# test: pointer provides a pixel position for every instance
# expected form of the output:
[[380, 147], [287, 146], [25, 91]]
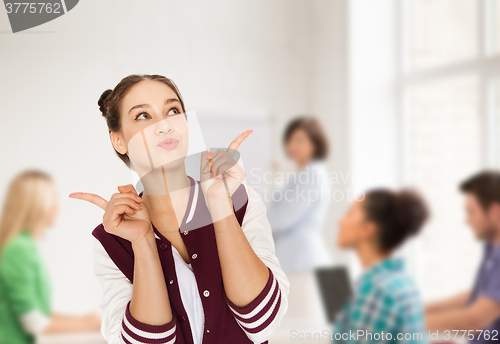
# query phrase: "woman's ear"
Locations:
[[118, 143], [369, 231]]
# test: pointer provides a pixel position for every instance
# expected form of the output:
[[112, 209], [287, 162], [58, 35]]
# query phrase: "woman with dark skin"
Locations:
[[386, 305]]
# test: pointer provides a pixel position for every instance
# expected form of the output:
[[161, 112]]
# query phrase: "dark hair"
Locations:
[[398, 215], [313, 129], [485, 186], [110, 100]]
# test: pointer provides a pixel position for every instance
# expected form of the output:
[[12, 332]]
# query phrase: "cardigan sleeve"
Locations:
[[262, 317], [118, 326]]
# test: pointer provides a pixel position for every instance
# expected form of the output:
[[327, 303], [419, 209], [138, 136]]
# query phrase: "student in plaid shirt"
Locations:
[[385, 306]]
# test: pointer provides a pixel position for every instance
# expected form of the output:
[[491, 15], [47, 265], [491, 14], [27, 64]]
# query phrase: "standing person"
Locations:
[[385, 306], [185, 261], [478, 309], [30, 208], [297, 216]]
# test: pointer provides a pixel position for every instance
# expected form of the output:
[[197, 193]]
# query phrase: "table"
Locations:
[[73, 338]]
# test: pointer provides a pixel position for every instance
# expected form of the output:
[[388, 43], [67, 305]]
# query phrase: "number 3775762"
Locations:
[[488, 335], [39, 7]]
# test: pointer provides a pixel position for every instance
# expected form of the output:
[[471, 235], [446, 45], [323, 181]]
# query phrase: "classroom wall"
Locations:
[[259, 55]]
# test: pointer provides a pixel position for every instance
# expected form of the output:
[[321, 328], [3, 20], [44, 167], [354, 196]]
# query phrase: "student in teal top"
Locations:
[[385, 306], [30, 207]]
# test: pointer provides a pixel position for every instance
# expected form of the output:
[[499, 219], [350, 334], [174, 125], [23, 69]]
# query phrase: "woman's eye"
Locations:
[[174, 111], [141, 114]]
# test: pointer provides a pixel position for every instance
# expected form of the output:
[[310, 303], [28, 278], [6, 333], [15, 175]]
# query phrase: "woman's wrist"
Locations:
[[219, 208], [145, 243]]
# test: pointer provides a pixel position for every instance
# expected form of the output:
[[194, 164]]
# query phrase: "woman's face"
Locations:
[[53, 211], [299, 146], [354, 228], [154, 129]]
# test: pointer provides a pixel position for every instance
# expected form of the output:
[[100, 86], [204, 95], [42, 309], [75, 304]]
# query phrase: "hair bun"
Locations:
[[411, 211], [103, 102]]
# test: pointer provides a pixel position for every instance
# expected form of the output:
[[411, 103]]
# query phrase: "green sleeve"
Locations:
[[17, 274]]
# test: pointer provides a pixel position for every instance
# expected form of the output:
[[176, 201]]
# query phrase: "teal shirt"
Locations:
[[385, 304], [24, 287]]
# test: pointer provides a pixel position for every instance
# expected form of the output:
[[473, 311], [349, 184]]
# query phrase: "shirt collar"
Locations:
[[492, 251], [25, 232], [315, 162], [388, 264]]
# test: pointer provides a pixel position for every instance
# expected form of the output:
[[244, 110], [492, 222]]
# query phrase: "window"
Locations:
[[450, 106]]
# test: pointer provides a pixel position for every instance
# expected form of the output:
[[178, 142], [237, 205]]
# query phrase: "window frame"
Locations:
[[485, 66]]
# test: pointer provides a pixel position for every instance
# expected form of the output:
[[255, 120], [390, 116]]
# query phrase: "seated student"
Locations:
[[478, 309], [30, 209], [385, 304]]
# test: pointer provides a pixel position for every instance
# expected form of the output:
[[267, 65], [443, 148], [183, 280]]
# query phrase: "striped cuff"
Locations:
[[262, 310], [135, 332]]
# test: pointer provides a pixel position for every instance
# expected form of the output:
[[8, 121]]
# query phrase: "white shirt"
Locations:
[[190, 296], [297, 217], [117, 289], [187, 286]]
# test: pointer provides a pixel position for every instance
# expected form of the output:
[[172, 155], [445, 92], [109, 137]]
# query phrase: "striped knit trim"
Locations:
[[264, 322], [131, 340], [266, 304], [257, 303], [261, 312], [135, 332]]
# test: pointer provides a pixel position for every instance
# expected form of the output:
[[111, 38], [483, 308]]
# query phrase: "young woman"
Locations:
[[186, 261], [296, 220], [385, 305], [297, 217], [30, 208]]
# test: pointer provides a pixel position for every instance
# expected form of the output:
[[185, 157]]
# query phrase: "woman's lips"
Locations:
[[168, 143]]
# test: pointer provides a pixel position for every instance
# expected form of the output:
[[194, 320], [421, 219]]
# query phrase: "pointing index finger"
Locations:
[[95, 199], [237, 141]]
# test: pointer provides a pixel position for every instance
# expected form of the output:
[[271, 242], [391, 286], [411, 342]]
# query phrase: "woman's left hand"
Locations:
[[221, 175]]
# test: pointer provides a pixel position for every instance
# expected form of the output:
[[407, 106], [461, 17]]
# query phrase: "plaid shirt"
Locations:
[[385, 304]]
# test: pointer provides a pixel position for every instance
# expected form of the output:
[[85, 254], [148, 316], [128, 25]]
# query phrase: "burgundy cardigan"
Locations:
[[223, 324]]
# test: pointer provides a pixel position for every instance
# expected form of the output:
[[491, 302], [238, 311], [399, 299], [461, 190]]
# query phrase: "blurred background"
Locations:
[[406, 91]]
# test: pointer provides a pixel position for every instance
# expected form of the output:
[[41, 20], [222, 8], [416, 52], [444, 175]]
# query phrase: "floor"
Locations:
[[73, 338], [289, 332], [301, 331]]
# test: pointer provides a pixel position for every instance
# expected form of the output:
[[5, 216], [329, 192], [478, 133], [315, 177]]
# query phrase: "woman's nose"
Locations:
[[163, 127]]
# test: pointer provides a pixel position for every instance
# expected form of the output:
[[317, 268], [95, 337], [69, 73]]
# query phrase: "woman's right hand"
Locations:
[[124, 215]]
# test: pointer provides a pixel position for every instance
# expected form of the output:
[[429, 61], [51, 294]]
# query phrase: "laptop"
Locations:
[[335, 288]]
